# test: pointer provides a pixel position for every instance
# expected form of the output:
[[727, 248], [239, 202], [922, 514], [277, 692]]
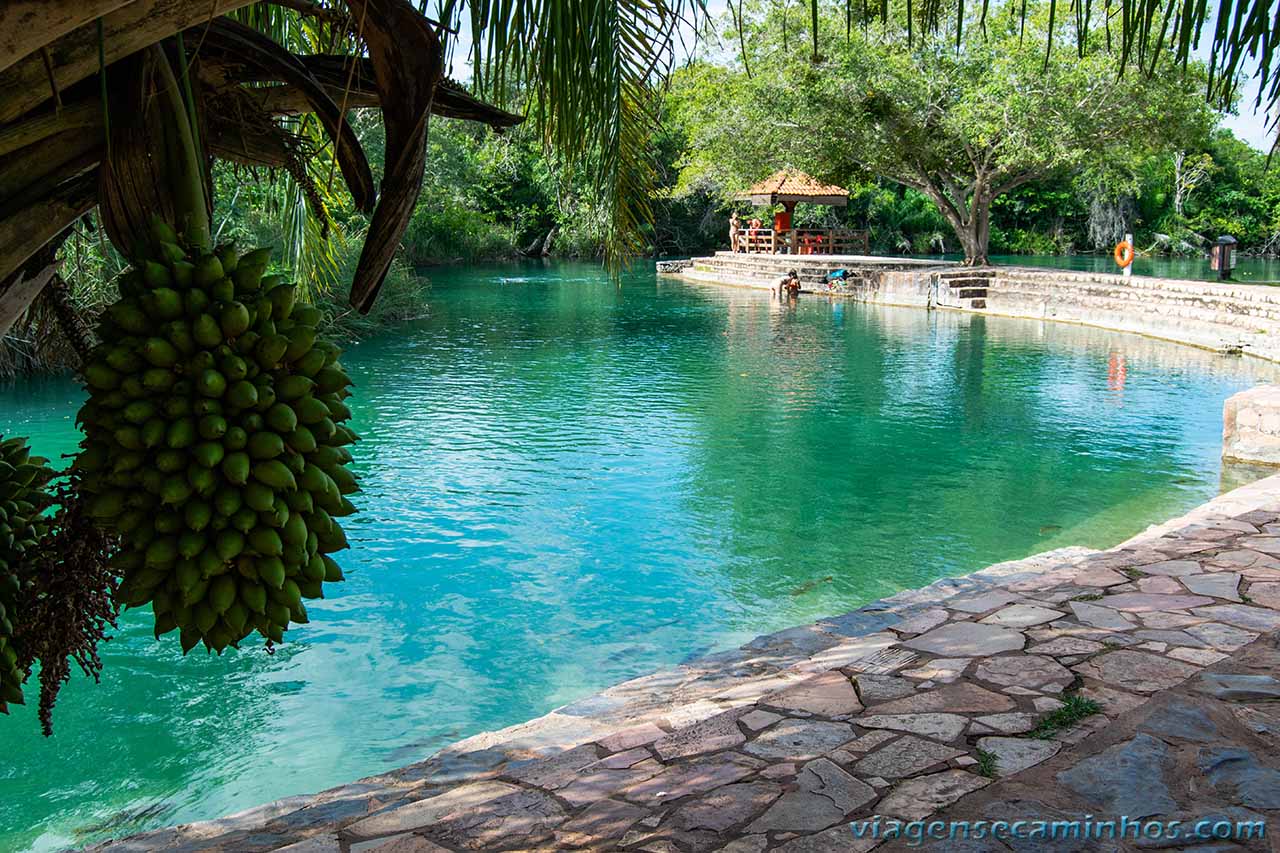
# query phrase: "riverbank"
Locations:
[[1223, 317], [904, 708]]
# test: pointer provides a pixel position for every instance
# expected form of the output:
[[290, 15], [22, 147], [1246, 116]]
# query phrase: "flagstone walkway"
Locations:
[[927, 703], [1207, 750]]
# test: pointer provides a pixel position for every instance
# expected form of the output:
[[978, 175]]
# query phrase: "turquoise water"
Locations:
[[569, 483]]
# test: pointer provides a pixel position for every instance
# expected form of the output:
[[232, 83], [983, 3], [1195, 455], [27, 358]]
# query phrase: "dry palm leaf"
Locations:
[[407, 64], [231, 43]]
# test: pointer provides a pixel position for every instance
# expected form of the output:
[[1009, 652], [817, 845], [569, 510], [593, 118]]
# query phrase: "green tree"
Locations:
[[962, 124]]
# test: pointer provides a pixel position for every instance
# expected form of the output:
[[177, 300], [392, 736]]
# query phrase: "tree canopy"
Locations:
[[963, 124]]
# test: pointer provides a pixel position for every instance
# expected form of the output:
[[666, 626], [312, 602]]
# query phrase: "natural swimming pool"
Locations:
[[569, 483]]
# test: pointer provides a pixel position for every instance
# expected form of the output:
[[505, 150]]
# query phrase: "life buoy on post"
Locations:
[[1123, 253]]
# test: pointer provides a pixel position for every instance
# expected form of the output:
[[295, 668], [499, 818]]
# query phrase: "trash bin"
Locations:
[[1222, 256]]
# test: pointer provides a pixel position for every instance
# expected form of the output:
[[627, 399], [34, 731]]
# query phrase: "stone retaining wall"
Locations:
[[1224, 317], [1235, 318], [1251, 426]]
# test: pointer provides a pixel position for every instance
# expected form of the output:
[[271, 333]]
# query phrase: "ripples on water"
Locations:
[[568, 484]]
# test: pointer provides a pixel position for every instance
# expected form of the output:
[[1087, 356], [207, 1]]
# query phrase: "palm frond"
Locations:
[[310, 250], [592, 71], [1239, 37]]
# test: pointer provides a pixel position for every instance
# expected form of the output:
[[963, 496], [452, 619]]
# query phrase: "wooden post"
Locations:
[[790, 208], [1128, 271]]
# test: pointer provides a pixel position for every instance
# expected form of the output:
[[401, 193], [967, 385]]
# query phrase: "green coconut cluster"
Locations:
[[215, 444], [23, 499]]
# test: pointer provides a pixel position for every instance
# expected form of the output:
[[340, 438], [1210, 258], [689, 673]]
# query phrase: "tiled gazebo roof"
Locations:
[[792, 185]]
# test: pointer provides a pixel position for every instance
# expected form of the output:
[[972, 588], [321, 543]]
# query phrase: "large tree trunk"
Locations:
[[970, 219], [975, 235]]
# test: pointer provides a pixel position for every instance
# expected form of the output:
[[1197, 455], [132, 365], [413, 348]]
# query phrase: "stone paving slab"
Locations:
[[1206, 748], [919, 704]]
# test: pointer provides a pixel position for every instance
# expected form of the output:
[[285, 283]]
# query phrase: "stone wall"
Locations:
[[1251, 426], [674, 266], [1233, 318], [1225, 317]]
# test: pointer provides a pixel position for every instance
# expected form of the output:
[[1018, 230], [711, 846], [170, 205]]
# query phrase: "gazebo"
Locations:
[[787, 187]]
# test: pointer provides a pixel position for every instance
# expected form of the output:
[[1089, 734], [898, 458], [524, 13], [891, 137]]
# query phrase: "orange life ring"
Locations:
[[1123, 253]]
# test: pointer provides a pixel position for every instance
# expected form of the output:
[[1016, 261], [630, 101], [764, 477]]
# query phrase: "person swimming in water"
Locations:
[[789, 285]]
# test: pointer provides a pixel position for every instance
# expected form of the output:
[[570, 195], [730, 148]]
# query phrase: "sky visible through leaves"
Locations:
[[1248, 125]]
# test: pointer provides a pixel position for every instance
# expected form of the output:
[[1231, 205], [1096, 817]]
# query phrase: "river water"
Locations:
[[569, 483]]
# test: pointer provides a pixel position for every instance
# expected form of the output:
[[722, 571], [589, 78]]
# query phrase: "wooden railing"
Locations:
[[761, 241], [804, 241], [832, 241]]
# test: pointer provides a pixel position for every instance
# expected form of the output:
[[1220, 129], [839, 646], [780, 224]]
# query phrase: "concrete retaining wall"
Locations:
[[1243, 318], [1251, 426]]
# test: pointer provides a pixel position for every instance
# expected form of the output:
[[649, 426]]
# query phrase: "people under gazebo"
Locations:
[[788, 187]]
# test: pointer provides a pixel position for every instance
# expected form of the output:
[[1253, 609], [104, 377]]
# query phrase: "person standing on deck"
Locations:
[[734, 224]]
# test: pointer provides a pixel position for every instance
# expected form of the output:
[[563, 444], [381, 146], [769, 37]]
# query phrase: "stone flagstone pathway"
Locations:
[[1207, 749], [905, 709]]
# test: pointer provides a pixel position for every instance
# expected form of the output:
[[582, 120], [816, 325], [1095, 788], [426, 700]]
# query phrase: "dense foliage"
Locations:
[[1071, 154]]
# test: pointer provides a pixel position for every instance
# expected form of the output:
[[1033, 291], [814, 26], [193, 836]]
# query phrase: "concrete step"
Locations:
[[1137, 305], [1138, 298]]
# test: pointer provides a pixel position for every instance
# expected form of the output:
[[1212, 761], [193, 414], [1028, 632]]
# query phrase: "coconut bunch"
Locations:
[[23, 499], [215, 443]]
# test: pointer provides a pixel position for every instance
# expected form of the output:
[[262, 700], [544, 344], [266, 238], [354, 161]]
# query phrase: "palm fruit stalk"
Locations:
[[216, 444], [23, 500], [67, 600], [215, 429]]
